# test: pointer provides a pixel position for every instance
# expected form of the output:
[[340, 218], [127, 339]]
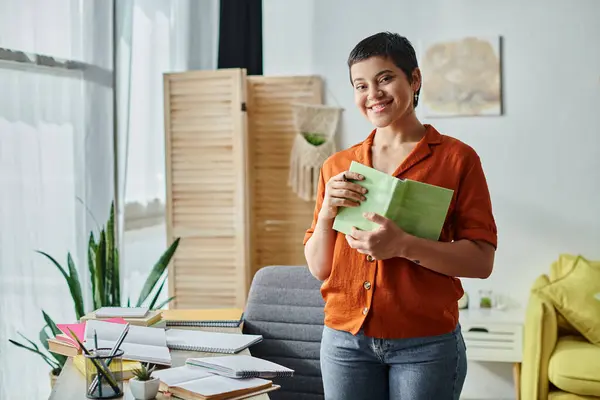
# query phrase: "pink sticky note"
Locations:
[[79, 330]]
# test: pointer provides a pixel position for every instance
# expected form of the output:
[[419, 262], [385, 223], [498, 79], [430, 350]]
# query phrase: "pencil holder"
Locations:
[[104, 374]]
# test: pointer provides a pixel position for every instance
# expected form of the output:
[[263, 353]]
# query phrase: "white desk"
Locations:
[[70, 385], [494, 336]]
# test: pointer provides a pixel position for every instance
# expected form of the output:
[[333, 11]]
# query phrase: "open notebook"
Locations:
[[241, 366], [141, 343], [210, 342], [194, 383]]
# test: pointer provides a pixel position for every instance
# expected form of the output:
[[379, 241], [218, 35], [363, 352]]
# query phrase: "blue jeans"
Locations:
[[360, 367]]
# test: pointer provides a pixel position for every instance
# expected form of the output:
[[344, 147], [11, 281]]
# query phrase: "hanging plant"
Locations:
[[316, 139], [314, 142]]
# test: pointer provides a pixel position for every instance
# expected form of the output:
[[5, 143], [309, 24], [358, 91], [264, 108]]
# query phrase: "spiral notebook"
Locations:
[[241, 366], [210, 342], [224, 318]]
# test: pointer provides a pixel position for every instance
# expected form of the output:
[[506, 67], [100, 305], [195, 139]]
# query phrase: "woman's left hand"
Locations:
[[387, 241]]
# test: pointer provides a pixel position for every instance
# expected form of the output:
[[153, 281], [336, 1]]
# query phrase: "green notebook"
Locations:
[[418, 208]]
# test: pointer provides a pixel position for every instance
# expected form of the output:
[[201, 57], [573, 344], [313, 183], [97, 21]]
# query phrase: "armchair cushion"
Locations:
[[574, 366], [560, 395], [576, 297]]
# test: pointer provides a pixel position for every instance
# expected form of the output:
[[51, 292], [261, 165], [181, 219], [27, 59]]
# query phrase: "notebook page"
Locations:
[[178, 375], [137, 334], [210, 341], [219, 384]]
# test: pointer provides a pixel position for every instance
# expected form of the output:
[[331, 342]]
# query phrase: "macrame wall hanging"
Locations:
[[314, 142]]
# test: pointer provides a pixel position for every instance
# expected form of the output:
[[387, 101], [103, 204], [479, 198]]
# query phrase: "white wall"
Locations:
[[542, 157], [288, 28]]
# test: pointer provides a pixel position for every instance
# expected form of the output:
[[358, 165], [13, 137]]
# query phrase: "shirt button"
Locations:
[[367, 285], [365, 311], [370, 258]]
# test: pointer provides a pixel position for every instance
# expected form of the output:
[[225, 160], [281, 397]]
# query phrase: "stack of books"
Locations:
[[138, 316], [142, 344], [218, 377]]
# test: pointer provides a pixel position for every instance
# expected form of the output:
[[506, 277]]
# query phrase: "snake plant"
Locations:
[[104, 269]]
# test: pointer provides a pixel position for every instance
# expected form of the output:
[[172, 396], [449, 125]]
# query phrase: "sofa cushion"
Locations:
[[576, 296], [574, 366]]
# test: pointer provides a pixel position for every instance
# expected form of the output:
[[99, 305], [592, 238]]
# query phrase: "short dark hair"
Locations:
[[389, 45]]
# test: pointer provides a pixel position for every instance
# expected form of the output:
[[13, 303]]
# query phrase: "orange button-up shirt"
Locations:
[[396, 298]]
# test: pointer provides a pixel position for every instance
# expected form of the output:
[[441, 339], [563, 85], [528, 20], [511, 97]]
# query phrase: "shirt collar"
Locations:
[[431, 137]]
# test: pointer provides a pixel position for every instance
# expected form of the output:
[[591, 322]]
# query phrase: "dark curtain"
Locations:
[[240, 35]]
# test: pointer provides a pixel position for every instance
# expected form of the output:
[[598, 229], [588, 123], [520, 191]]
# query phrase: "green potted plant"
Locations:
[[143, 385], [104, 268]]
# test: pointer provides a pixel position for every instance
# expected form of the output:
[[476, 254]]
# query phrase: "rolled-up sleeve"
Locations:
[[474, 219], [318, 204]]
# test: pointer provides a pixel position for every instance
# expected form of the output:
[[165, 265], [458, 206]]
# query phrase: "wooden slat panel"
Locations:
[[205, 141], [278, 217]]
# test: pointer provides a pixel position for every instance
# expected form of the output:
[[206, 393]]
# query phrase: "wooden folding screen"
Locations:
[[206, 198], [279, 218], [227, 171]]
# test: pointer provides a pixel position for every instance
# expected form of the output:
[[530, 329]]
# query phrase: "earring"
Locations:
[[416, 97]]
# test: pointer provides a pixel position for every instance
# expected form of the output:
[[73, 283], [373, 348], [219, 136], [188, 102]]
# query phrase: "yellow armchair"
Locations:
[[561, 337]]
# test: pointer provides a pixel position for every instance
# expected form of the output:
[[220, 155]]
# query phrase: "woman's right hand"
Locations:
[[341, 192]]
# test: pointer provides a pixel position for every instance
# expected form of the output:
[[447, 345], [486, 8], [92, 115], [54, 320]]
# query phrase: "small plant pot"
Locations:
[[144, 390], [53, 379]]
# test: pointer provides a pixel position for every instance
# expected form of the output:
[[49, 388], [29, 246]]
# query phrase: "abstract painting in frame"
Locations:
[[461, 77]]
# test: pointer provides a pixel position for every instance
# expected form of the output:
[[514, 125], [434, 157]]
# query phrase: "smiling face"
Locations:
[[382, 92]]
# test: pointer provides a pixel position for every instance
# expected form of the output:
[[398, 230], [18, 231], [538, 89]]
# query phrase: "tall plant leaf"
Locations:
[[51, 324], [100, 270], [53, 364], [155, 298], [116, 277], [72, 283], [92, 248], [92, 243], [161, 305], [111, 268], [108, 279], [76, 287], [157, 271]]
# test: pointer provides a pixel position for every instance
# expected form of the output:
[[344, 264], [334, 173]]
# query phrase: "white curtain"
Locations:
[[53, 161], [155, 37]]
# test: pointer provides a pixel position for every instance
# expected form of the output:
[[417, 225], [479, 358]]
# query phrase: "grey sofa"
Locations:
[[285, 307]]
